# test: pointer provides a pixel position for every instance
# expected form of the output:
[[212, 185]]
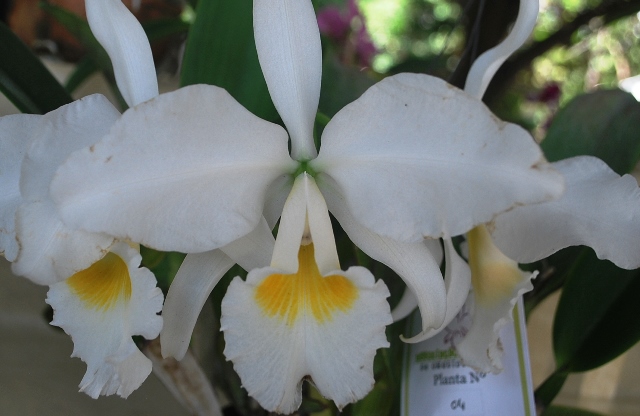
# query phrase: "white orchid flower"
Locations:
[[412, 160], [599, 209], [99, 294]]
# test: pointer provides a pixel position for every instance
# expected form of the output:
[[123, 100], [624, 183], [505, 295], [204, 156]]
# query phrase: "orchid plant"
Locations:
[[407, 170]]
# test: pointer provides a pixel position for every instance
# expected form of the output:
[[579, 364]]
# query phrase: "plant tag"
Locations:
[[435, 383]]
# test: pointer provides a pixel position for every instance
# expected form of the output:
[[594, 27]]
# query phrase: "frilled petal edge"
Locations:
[[275, 339], [600, 209], [432, 160], [101, 308]]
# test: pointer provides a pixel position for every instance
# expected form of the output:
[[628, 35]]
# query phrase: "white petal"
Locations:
[[497, 283], [487, 64], [254, 250], [457, 280], [273, 350], [16, 133], [415, 157], [61, 132], [49, 250], [186, 171], [120, 33], [413, 262], [288, 43], [600, 209], [196, 278], [101, 312]]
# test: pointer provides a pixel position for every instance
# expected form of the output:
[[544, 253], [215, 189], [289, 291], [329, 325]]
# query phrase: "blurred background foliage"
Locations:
[[562, 86]]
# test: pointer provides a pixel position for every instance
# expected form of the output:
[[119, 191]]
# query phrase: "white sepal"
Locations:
[[190, 289], [194, 161], [600, 209], [457, 280], [487, 64], [413, 262], [102, 333], [122, 36], [413, 157], [288, 44], [408, 301], [253, 250], [272, 356], [16, 134]]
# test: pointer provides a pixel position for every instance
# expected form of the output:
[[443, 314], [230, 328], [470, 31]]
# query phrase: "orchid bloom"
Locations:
[[410, 161], [99, 294], [599, 209], [337, 25]]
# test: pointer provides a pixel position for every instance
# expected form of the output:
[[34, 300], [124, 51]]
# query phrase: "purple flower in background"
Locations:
[[349, 31]]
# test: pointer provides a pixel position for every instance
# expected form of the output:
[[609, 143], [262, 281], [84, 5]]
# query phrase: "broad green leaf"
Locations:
[[24, 80], [221, 51], [341, 85], [605, 124], [84, 69], [595, 320], [567, 411], [162, 28]]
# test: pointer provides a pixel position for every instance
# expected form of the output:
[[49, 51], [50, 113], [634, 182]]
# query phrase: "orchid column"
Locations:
[[410, 161]]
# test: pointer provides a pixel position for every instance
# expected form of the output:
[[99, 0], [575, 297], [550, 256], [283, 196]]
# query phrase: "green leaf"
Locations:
[[605, 124], [567, 411], [24, 80], [84, 69], [162, 28], [221, 51], [341, 85], [595, 320]]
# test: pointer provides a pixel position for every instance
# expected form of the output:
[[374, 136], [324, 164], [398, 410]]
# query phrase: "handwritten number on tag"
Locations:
[[458, 404]]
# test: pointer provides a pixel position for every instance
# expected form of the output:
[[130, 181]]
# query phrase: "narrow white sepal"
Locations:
[[408, 301], [190, 289], [413, 157], [487, 64], [288, 44], [457, 280], [102, 336], [413, 262], [253, 250], [122, 36], [600, 209], [16, 134]]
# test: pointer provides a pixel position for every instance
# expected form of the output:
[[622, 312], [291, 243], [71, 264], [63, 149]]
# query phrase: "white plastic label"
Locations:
[[435, 383]]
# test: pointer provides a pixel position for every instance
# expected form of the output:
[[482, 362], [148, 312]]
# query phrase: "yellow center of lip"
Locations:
[[103, 284], [494, 276], [307, 292]]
